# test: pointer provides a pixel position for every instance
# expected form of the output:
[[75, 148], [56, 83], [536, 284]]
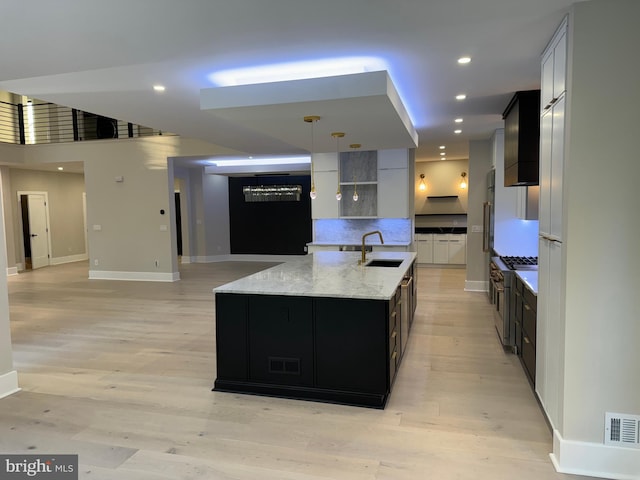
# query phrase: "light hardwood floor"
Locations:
[[121, 374]]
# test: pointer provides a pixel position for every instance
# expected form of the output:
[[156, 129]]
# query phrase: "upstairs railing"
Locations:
[[40, 122]]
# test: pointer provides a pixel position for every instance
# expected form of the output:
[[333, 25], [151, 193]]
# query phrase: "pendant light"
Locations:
[[463, 181], [312, 119], [338, 136], [355, 185]]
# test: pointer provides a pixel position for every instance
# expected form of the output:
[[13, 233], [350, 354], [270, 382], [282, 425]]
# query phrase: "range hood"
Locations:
[[522, 139]]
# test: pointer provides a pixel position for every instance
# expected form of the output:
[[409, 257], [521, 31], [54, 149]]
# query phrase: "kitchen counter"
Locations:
[[530, 279], [327, 274], [320, 327]]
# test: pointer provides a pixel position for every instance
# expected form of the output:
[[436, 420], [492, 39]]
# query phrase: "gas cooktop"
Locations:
[[520, 263]]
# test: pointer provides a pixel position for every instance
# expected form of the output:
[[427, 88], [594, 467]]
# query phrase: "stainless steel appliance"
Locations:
[[501, 272], [488, 215]]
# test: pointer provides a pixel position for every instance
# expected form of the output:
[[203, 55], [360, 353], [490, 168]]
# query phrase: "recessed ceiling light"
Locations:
[[159, 88], [462, 96], [442, 153], [464, 60], [441, 147], [457, 132], [443, 158], [458, 120], [60, 168]]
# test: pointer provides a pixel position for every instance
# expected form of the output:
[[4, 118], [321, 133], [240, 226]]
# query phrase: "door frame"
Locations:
[[20, 225]]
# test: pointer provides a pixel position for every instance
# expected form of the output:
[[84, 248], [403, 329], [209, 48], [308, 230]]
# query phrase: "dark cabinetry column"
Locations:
[[281, 340], [351, 345]]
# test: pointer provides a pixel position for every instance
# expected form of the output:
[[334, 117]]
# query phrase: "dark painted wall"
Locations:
[[276, 228]]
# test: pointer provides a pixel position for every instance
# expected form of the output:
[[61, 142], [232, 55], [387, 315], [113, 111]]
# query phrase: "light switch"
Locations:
[[97, 228], [476, 228], [163, 228]]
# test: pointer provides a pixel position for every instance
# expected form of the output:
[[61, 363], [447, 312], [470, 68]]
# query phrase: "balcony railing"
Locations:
[[41, 122]]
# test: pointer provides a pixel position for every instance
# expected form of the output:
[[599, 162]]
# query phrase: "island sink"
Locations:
[[386, 262]]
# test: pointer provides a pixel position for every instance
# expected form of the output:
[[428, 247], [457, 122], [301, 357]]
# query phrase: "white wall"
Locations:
[[602, 355], [216, 214], [512, 236], [480, 158], [441, 178], [65, 211], [8, 376]]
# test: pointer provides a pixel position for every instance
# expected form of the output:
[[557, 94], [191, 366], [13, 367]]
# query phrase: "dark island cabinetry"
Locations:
[[329, 349]]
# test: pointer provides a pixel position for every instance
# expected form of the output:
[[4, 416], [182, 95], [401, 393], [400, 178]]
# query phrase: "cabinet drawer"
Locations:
[[529, 322], [530, 298], [393, 340], [393, 359], [529, 357], [393, 320]]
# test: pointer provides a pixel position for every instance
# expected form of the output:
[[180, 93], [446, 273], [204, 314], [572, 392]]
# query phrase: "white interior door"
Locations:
[[38, 230]]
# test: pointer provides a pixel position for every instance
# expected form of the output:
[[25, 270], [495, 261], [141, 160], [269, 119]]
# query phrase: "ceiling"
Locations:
[[105, 57]]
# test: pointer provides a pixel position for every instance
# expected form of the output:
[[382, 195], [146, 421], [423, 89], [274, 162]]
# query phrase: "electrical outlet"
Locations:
[[157, 263], [95, 262]]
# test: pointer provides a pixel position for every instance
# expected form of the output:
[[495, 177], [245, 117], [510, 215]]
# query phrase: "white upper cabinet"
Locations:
[[552, 133], [554, 69], [381, 179], [393, 183]]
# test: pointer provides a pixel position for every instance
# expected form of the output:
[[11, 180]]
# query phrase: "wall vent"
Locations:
[[622, 430], [289, 366]]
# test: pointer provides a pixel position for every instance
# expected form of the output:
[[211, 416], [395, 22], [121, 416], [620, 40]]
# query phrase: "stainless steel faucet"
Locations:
[[364, 253]]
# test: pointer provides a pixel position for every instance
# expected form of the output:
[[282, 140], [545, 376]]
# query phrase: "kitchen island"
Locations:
[[322, 327]]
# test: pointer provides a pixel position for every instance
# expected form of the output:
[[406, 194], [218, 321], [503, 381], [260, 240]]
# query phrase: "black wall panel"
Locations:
[[275, 228]]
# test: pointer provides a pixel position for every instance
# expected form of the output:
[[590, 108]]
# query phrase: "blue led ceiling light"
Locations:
[[258, 161], [280, 72]]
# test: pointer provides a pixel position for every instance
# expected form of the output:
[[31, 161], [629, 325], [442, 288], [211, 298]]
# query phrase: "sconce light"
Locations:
[[463, 181], [312, 119], [423, 186]]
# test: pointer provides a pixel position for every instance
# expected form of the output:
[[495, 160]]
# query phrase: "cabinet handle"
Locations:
[[526, 340], [553, 100], [518, 294], [394, 334], [394, 355], [527, 307]]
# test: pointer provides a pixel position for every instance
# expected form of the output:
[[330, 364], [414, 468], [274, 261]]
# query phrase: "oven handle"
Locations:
[[486, 219]]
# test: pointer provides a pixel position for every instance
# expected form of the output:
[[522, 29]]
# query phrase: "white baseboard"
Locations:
[[68, 259], [476, 286], [245, 258], [134, 276], [594, 459], [9, 384], [12, 271]]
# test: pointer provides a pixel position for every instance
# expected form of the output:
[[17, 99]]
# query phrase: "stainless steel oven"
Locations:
[[501, 274], [500, 287]]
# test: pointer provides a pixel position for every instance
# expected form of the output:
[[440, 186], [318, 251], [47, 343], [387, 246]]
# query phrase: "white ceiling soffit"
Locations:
[[365, 106]]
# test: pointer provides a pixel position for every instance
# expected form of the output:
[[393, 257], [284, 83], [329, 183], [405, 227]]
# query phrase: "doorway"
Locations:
[[35, 229]]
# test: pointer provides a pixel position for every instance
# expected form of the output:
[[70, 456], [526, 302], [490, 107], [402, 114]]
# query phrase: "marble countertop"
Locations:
[[385, 244], [530, 279], [327, 274]]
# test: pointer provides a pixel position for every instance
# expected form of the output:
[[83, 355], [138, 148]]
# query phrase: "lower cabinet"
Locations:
[[340, 350], [525, 321], [424, 243], [442, 248]]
